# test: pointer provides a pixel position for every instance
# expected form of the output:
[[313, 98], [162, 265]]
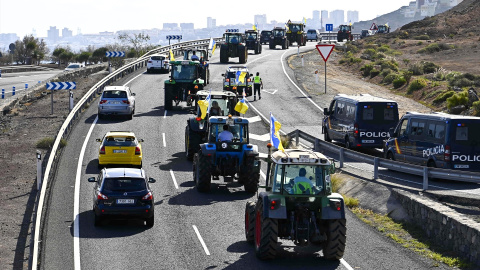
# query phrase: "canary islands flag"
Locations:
[[205, 105], [254, 27], [240, 76], [242, 106], [212, 45], [275, 134], [171, 56]]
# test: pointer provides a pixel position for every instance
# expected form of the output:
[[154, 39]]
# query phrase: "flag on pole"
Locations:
[[305, 20], [254, 27], [240, 76], [205, 105], [171, 56], [212, 45], [242, 106], [274, 133]]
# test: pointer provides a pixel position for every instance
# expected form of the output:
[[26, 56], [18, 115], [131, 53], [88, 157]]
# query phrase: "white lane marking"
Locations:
[[259, 113], [249, 62], [263, 175], [270, 91], [201, 240], [76, 200], [298, 88], [165, 114], [342, 261], [133, 79], [254, 119], [76, 204], [174, 179], [164, 142], [262, 138]]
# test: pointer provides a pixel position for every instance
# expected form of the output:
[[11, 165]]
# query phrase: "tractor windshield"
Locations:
[[188, 54], [184, 72], [238, 131], [294, 27], [233, 38], [345, 28], [218, 107], [251, 36], [299, 179], [278, 33]]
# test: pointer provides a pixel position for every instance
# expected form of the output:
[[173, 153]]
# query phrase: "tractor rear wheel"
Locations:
[[223, 55], [265, 234], [248, 176], [249, 221], [202, 172], [168, 99], [192, 140], [271, 45], [242, 54], [336, 239], [284, 44]]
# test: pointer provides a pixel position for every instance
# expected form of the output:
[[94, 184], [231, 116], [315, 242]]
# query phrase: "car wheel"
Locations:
[[150, 221], [348, 144]]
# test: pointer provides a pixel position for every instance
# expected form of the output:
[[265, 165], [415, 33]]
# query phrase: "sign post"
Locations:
[[60, 86], [113, 54], [329, 28], [325, 50]]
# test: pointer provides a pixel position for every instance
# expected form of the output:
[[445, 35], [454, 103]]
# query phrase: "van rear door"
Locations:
[[374, 119], [464, 144]]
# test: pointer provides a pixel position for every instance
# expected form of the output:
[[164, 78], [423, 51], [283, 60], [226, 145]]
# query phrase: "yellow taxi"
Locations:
[[120, 148]]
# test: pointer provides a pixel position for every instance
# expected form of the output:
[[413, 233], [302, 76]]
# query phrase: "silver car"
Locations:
[[116, 100]]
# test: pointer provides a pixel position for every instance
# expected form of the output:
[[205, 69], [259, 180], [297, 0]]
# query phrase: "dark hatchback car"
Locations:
[[123, 193]]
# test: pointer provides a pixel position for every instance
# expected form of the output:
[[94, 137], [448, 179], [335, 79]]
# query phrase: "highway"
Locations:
[[192, 230]]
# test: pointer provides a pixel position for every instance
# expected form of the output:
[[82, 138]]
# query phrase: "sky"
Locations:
[[94, 16]]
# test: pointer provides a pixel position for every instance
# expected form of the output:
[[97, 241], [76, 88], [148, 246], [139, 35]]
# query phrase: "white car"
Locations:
[[116, 100], [73, 66], [158, 63]]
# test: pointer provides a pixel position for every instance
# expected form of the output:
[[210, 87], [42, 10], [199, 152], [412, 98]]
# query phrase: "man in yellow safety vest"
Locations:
[[257, 82]]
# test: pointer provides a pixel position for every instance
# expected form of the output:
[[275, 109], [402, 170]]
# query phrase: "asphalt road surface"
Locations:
[[192, 230]]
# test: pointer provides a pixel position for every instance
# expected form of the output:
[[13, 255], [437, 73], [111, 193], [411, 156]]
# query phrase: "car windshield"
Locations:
[[73, 66], [124, 184], [238, 131], [299, 179], [114, 94], [184, 72], [278, 33], [158, 58], [120, 141]]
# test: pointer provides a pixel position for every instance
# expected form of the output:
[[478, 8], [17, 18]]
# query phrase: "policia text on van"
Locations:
[[436, 140], [359, 121]]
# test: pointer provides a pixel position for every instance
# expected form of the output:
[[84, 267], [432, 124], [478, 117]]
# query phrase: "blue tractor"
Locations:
[[233, 159]]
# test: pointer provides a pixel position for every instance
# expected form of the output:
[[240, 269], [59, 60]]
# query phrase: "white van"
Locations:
[[313, 35]]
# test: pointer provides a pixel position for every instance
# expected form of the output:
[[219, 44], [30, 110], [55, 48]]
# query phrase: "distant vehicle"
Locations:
[[383, 29], [158, 63], [344, 32], [233, 47], [73, 66], [252, 41], [232, 81], [437, 140], [278, 37], [123, 193], [313, 35], [120, 148], [296, 33], [359, 120], [265, 36], [116, 100], [366, 33]]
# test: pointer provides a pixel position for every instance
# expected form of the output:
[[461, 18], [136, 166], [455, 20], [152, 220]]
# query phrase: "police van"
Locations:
[[359, 120], [436, 140]]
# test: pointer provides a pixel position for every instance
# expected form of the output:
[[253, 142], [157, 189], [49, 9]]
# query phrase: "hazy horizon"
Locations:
[[117, 15]]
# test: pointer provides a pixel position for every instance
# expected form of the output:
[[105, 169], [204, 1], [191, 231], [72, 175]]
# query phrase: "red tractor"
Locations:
[[345, 32]]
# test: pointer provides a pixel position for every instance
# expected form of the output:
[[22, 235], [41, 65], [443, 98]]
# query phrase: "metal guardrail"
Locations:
[[333, 36], [74, 115], [425, 172]]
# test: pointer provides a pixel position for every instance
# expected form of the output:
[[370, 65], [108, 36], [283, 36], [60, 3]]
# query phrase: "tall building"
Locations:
[[324, 17], [187, 26], [352, 16], [53, 33], [170, 26], [260, 20], [316, 22], [67, 33], [7, 38], [211, 23], [337, 17]]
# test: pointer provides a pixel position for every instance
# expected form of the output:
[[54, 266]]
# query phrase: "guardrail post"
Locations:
[[39, 169], [297, 137], [375, 168], [316, 146], [341, 157], [425, 178]]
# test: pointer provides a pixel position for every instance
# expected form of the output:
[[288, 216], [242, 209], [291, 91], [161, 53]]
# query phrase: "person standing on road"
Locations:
[[257, 82]]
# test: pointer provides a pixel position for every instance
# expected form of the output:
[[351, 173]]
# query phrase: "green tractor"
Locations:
[[184, 82], [296, 33], [203, 56], [230, 159], [222, 104], [253, 41], [234, 46], [298, 205], [278, 37]]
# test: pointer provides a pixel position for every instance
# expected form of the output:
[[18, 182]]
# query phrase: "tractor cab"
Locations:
[[237, 126]]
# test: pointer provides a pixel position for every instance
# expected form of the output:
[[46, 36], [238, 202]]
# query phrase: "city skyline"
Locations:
[[111, 16]]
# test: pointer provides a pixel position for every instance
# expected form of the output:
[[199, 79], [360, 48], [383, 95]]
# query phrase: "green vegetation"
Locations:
[[399, 82], [409, 236], [457, 99], [388, 64], [366, 70], [443, 97], [374, 72], [417, 84], [435, 47], [422, 37], [476, 108], [390, 78], [47, 143]]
